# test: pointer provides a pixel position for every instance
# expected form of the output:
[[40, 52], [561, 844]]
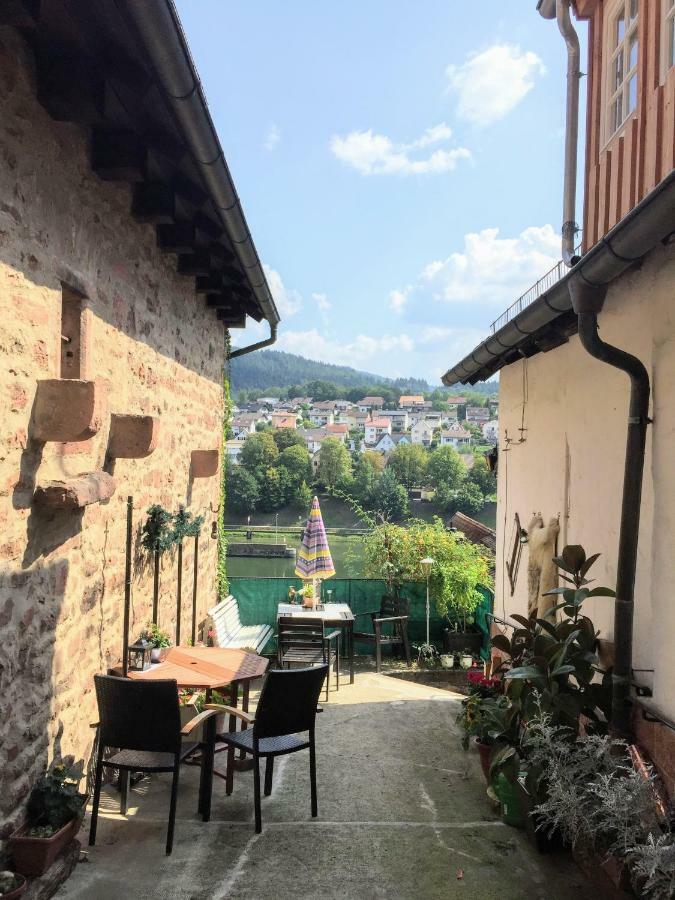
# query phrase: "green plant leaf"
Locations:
[[602, 592], [522, 672], [501, 642], [567, 669], [574, 556], [589, 562], [526, 623]]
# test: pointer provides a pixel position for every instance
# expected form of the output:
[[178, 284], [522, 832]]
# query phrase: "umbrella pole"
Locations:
[[127, 588]]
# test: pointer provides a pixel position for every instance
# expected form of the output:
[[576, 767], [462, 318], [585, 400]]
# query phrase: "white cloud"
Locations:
[[362, 351], [432, 334], [492, 269], [272, 138], [490, 84], [398, 298], [288, 300], [376, 154], [322, 302]]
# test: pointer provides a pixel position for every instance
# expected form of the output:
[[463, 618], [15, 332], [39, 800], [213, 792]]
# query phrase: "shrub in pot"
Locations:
[[53, 816], [12, 885]]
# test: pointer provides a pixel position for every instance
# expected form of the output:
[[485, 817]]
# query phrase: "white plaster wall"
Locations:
[[575, 408]]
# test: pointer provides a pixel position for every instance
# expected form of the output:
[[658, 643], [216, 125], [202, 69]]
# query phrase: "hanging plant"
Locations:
[[155, 535]]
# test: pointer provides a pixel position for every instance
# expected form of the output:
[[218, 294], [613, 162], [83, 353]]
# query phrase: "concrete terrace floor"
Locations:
[[402, 814]]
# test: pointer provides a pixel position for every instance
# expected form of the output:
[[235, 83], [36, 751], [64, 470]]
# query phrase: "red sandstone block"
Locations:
[[68, 409], [76, 492]]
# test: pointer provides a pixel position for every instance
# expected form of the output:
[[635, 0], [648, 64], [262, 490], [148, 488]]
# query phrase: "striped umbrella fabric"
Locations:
[[314, 559]]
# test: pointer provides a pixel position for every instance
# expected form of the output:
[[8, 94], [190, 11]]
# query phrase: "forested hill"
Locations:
[[265, 369]]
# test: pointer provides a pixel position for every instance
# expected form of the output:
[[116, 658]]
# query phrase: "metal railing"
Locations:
[[540, 287]]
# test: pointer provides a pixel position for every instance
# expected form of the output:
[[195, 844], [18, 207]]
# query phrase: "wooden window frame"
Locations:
[[513, 563], [614, 49]]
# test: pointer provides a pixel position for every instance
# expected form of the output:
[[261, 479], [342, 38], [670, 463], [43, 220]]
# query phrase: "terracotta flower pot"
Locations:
[[484, 751], [18, 891], [34, 855]]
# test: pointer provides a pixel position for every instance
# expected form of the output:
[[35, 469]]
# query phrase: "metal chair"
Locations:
[[140, 720], [393, 612], [306, 641], [287, 707]]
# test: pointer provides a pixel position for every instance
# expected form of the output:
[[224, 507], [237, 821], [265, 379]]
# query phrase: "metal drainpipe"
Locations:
[[242, 351], [569, 226], [587, 301]]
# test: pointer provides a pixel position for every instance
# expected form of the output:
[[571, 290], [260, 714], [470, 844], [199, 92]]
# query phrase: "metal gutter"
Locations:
[[242, 351], [569, 225], [161, 33], [648, 223]]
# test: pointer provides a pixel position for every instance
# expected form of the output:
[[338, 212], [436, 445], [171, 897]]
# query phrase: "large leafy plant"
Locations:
[[54, 801]]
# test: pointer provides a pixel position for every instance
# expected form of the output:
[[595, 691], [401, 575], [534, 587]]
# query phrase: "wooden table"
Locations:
[[335, 615], [209, 669]]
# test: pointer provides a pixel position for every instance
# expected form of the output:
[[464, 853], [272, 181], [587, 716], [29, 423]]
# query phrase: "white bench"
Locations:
[[229, 632]]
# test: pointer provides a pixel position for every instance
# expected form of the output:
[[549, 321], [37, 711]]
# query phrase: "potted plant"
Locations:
[[159, 639], [12, 885], [307, 594], [485, 717], [426, 655], [466, 659], [448, 660], [53, 816]]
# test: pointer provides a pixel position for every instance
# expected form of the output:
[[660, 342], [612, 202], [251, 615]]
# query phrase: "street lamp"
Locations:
[[426, 564]]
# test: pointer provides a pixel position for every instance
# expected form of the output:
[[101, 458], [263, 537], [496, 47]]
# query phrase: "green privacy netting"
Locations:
[[259, 597]]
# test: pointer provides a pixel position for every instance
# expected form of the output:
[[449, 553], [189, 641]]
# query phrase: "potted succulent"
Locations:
[[12, 885], [307, 594], [53, 816], [159, 639], [426, 654], [447, 660]]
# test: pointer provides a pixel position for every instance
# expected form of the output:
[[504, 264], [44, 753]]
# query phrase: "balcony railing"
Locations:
[[540, 287]]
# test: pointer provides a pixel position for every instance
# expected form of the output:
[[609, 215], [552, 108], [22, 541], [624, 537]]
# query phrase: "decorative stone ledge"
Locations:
[[68, 409], [76, 493], [132, 437], [204, 463]]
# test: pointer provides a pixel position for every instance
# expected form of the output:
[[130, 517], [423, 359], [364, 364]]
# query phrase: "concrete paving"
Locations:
[[402, 814]]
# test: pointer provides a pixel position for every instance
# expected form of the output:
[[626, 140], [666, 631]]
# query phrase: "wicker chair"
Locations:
[[140, 720], [306, 641], [392, 614], [287, 707]]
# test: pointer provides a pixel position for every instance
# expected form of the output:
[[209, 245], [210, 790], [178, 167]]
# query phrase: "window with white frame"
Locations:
[[622, 73], [668, 45]]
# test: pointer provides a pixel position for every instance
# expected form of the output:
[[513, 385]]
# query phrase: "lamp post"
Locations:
[[426, 564]]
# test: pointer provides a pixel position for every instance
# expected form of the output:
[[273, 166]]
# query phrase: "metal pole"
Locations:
[[427, 609], [127, 588], [194, 590], [179, 591], [155, 591]]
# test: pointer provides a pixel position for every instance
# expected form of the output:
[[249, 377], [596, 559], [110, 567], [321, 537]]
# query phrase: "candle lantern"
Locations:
[[139, 655]]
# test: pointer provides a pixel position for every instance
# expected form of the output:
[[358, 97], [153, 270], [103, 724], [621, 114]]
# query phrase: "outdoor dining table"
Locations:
[[335, 615], [209, 669]]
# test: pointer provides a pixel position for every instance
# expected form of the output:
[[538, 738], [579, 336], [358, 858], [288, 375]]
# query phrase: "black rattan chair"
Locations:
[[393, 615], [306, 641], [140, 721], [287, 708]]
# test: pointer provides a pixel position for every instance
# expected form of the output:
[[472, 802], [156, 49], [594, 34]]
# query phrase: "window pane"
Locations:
[[618, 71], [633, 9], [632, 94], [619, 29], [632, 51], [617, 113]]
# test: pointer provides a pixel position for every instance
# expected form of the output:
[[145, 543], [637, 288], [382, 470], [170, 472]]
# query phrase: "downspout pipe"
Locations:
[[569, 225], [587, 301], [242, 351]]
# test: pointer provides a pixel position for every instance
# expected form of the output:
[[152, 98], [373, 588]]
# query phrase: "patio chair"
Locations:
[[306, 641], [393, 614], [140, 720], [287, 707]]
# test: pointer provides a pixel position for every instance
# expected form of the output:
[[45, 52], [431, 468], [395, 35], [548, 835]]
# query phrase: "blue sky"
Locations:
[[400, 165]]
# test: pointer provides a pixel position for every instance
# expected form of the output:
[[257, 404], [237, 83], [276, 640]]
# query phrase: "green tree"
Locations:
[[301, 497], [259, 453], [287, 437], [481, 475], [367, 471], [274, 488], [389, 498], [468, 499], [334, 463], [408, 463], [445, 467], [243, 492], [296, 461]]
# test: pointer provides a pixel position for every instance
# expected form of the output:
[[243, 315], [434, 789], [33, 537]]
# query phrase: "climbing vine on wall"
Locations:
[[223, 584]]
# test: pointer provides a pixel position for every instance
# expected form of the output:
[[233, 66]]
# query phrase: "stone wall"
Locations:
[[156, 350]]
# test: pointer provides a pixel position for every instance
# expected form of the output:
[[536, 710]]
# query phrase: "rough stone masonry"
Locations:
[[152, 349]]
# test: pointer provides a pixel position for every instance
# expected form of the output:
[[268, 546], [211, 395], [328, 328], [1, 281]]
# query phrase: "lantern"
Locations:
[[139, 655]]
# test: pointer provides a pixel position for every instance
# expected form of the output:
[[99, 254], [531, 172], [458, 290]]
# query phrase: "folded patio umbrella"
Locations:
[[314, 559]]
